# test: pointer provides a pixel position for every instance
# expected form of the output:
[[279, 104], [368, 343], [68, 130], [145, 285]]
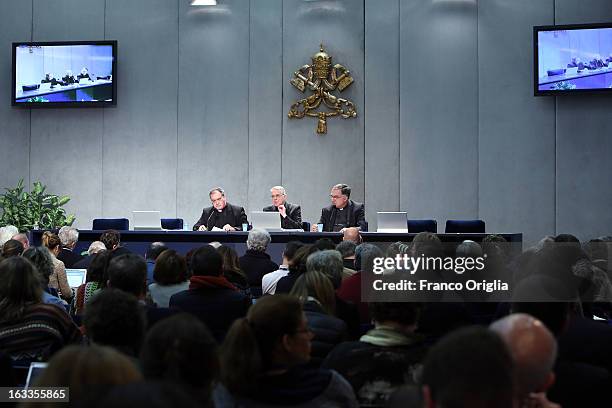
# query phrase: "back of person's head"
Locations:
[[468, 249], [364, 256], [298, 262], [170, 268], [258, 240], [86, 370], [97, 271], [290, 250], [397, 248], [181, 350], [128, 272], [346, 248], [533, 349], [402, 313], [316, 284], [50, 240], [470, 367], [427, 244], [352, 234], [114, 318], [68, 236], [253, 343], [19, 287], [41, 258], [329, 262], [23, 238], [231, 262], [96, 247], [323, 244], [12, 247], [155, 249], [110, 239], [206, 261]]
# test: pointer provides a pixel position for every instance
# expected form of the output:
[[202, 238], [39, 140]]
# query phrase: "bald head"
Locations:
[[533, 349], [352, 234]]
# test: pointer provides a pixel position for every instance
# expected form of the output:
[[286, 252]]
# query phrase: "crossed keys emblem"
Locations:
[[322, 78]]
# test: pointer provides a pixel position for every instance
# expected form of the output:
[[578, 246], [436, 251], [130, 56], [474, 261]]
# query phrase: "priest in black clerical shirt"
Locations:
[[291, 214], [221, 215], [343, 213]]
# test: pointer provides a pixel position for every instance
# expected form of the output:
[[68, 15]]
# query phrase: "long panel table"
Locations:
[[183, 241]]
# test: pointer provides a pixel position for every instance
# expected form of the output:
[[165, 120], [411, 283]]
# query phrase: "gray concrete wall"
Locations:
[[447, 127]]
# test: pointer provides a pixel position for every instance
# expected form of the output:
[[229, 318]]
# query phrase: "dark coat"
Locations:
[[293, 220], [255, 265], [328, 332], [216, 307], [237, 213], [68, 257], [356, 216]]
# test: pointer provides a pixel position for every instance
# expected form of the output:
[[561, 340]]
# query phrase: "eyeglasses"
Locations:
[[217, 200], [276, 195], [335, 197]]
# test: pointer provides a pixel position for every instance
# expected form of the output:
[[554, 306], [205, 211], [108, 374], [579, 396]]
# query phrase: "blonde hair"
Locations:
[[50, 240], [316, 284]]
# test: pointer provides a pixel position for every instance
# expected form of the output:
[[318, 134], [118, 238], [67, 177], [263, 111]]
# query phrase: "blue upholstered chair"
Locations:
[[120, 224], [465, 226], [416, 226], [172, 223]]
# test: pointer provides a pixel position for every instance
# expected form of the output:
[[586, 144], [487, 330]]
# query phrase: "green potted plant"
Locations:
[[29, 210]]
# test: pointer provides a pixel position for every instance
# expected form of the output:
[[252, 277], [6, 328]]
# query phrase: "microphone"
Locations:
[[209, 217]]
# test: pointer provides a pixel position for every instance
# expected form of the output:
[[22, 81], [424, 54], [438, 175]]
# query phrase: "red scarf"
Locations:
[[210, 282]]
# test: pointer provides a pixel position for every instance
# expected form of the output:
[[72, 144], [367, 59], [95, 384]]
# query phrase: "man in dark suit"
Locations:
[[221, 214], [291, 214], [343, 213]]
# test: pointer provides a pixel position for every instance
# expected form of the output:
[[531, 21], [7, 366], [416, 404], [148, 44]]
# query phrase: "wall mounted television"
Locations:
[[572, 59], [64, 74]]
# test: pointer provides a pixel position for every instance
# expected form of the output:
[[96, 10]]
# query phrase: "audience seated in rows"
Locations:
[[68, 237], [95, 280], [262, 361], [269, 280], [58, 279], [233, 272], [29, 329], [155, 249], [385, 358], [255, 263], [170, 276], [211, 297], [41, 259]]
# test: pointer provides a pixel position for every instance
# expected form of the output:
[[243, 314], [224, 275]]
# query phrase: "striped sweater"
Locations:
[[42, 330]]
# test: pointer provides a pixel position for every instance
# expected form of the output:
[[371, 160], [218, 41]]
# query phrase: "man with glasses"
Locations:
[[291, 214], [343, 213], [221, 214]]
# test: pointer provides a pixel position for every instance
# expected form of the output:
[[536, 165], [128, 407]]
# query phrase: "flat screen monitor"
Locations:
[[570, 59], [65, 74]]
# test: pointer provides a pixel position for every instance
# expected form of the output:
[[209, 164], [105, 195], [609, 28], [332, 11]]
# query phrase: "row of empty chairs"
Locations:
[[414, 226]]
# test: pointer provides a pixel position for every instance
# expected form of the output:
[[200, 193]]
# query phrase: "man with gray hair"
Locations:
[[69, 237], [255, 263], [534, 351], [291, 214], [329, 262], [93, 249]]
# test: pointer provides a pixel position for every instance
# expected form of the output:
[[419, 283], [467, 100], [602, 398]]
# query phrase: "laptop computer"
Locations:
[[76, 277], [146, 220], [267, 220], [392, 221]]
